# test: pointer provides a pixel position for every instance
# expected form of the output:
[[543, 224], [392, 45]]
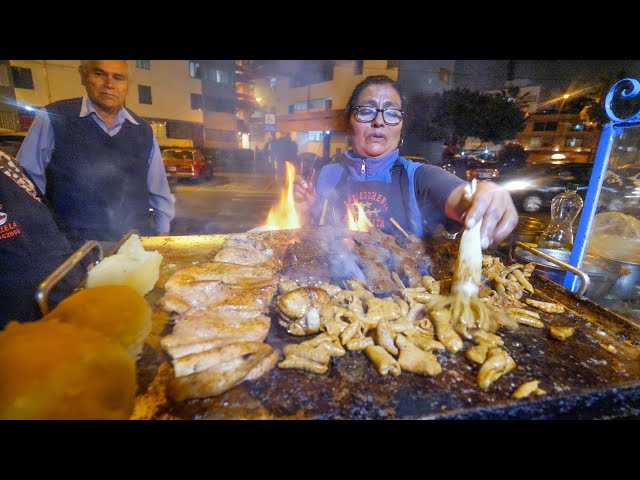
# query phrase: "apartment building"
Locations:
[[563, 134], [8, 110], [230, 104], [187, 102]]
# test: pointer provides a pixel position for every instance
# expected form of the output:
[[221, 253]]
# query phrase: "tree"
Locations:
[[511, 155], [455, 115], [593, 111]]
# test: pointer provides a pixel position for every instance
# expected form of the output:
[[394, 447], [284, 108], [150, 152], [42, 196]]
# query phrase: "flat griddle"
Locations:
[[582, 380]]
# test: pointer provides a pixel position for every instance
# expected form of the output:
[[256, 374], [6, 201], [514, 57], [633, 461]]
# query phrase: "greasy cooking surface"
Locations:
[[581, 378]]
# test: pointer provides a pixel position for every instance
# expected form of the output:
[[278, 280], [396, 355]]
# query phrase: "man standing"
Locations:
[[97, 162]]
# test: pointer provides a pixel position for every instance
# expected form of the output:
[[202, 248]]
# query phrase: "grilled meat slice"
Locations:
[[197, 329], [373, 261], [247, 256], [219, 378]]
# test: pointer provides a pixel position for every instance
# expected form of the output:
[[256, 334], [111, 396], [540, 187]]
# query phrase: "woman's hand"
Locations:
[[303, 194], [491, 203]]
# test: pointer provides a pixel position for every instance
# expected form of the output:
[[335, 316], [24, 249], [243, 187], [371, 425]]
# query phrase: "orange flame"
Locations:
[[360, 225], [284, 215]]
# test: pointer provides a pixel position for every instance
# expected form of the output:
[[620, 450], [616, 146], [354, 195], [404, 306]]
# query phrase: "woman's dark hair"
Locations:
[[372, 80]]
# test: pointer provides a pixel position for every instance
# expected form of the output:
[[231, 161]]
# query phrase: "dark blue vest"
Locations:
[[97, 184]]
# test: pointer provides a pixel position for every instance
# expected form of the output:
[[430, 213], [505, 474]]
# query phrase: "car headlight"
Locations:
[[517, 185]]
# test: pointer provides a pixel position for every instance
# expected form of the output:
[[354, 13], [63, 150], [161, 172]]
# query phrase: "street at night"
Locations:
[[230, 202]]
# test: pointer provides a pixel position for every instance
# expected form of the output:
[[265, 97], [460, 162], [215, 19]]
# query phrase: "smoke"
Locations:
[[342, 260]]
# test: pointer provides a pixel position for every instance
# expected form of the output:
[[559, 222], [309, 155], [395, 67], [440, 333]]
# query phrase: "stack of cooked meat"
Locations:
[[222, 307], [386, 308], [401, 331], [217, 341]]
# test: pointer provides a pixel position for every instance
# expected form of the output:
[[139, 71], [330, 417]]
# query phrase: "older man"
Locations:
[[97, 162]]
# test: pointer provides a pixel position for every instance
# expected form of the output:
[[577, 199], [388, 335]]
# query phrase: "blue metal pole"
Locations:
[[590, 204]]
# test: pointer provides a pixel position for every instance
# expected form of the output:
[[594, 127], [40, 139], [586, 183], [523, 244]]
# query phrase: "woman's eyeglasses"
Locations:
[[365, 113]]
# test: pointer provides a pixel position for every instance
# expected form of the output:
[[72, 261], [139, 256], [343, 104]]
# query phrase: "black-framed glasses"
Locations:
[[366, 113]]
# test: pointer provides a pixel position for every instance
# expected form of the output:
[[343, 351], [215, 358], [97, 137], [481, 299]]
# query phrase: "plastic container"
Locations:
[[565, 208]]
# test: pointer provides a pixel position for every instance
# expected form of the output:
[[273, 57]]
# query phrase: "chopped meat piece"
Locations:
[[527, 389], [561, 332], [497, 364], [385, 363], [414, 360]]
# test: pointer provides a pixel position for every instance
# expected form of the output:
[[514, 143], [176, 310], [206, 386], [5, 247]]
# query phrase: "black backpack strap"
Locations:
[[399, 176]]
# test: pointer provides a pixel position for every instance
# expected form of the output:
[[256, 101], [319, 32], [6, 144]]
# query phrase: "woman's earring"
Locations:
[[401, 142]]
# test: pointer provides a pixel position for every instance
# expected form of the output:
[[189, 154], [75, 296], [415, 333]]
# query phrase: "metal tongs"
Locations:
[[42, 294]]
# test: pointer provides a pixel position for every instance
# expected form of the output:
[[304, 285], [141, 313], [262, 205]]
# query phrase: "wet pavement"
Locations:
[[229, 202]]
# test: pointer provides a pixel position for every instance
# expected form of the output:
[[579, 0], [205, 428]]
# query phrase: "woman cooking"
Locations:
[[371, 173]]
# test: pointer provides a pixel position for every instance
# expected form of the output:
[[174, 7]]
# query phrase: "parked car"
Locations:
[[187, 163], [534, 186], [481, 169], [10, 142], [469, 167]]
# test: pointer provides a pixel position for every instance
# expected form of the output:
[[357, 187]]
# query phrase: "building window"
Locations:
[[535, 142], [445, 76], [143, 64], [545, 126], [323, 73], [196, 101], [216, 75], [22, 77], [144, 94], [393, 64], [213, 104], [538, 142], [273, 83], [318, 103], [578, 127], [176, 129], [194, 69], [315, 104], [315, 136], [222, 76], [298, 107], [573, 142], [4, 76], [216, 135], [358, 65]]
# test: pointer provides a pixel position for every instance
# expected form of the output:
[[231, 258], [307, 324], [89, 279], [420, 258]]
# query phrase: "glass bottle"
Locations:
[[565, 208]]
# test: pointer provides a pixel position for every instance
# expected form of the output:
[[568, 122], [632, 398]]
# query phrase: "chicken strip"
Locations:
[[414, 360], [444, 331], [497, 364], [527, 389], [561, 332], [385, 363], [384, 338]]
